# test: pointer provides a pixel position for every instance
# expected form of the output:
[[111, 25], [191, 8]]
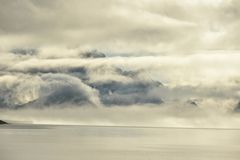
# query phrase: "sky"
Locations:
[[133, 56], [146, 27]]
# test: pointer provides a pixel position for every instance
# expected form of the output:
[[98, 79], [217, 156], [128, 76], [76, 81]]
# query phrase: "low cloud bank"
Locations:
[[96, 79], [166, 91], [167, 115], [154, 53]]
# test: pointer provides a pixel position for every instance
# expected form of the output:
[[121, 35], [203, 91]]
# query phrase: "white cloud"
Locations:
[[121, 26], [190, 46]]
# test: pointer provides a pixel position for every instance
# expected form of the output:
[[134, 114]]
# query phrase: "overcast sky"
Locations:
[[114, 53], [143, 26]]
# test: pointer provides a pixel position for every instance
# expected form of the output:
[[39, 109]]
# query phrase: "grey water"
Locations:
[[46, 142]]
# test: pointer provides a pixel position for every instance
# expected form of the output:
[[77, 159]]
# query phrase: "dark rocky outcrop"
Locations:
[[2, 122]]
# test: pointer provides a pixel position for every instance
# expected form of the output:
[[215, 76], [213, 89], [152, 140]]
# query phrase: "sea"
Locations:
[[79, 142]]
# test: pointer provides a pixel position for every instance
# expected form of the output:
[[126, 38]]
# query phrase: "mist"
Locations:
[[151, 63]]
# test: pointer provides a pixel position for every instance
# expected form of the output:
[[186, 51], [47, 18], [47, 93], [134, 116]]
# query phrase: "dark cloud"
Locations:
[[93, 54], [109, 81], [24, 51], [73, 86], [47, 89], [62, 88], [117, 52], [118, 93], [237, 108], [129, 73], [129, 99], [80, 72]]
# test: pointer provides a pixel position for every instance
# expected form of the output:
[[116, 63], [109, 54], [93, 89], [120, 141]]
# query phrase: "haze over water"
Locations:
[[27, 142]]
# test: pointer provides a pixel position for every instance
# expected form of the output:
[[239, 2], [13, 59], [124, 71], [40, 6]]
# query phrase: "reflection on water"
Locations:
[[40, 142]]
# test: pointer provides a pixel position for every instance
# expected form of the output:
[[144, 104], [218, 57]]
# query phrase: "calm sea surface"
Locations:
[[43, 142]]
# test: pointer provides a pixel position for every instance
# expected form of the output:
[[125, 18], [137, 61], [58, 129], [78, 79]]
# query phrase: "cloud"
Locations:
[[149, 115], [116, 53], [119, 80], [60, 88], [45, 90], [16, 92], [118, 93], [237, 108], [93, 54], [156, 27], [23, 51]]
